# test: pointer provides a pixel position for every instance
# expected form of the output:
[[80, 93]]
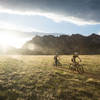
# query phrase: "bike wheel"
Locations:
[[80, 69], [72, 67]]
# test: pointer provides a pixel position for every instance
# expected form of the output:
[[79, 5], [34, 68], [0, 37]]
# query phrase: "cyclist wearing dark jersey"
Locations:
[[56, 59]]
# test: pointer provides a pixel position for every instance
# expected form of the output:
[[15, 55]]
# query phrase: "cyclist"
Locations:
[[75, 66], [56, 59]]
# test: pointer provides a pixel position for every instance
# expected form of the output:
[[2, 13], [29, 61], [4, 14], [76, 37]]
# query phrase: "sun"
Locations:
[[10, 40], [7, 40]]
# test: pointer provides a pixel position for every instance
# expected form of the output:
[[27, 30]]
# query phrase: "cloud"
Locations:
[[4, 25], [79, 12]]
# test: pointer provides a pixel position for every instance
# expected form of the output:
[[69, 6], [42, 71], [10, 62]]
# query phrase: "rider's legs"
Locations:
[[56, 63]]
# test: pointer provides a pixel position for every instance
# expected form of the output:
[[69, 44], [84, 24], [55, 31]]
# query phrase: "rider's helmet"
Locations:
[[56, 54], [75, 54]]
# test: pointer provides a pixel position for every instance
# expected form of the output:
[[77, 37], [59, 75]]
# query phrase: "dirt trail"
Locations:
[[95, 75]]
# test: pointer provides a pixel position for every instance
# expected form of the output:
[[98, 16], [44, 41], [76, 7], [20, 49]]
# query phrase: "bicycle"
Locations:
[[58, 63], [77, 67]]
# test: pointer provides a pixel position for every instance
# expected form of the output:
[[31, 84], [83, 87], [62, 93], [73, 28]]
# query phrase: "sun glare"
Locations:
[[10, 40]]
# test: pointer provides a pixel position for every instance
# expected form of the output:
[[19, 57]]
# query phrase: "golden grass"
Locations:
[[35, 78]]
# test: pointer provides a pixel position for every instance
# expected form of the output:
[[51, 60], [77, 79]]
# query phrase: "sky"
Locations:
[[22, 17]]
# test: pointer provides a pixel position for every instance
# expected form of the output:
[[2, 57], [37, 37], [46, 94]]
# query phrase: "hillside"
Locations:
[[63, 44]]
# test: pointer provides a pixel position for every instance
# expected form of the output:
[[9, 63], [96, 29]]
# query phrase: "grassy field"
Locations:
[[35, 78]]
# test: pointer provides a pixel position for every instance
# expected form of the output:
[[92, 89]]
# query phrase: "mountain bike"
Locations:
[[58, 63], [77, 67]]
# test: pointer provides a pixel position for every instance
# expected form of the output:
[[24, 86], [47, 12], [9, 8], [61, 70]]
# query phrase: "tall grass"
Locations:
[[35, 78]]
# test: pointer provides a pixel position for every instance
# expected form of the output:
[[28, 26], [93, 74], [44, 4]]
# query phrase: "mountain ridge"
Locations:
[[64, 44]]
